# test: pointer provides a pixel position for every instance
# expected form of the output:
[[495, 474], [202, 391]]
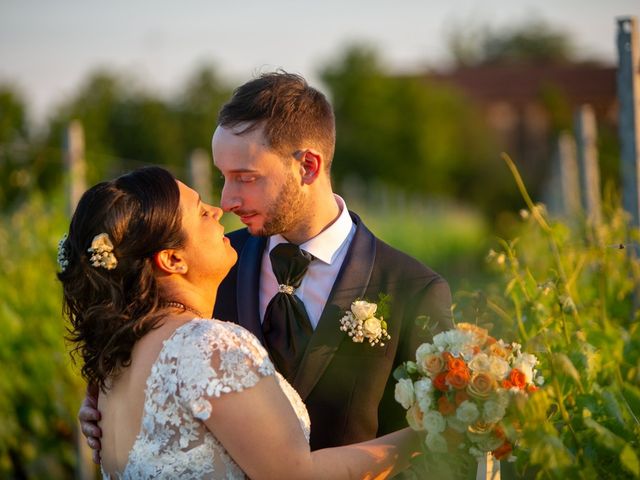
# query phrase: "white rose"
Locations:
[[467, 412], [415, 417], [422, 390], [480, 363], [363, 310], [436, 443], [434, 422], [372, 328], [498, 367], [456, 424], [404, 393], [492, 411]]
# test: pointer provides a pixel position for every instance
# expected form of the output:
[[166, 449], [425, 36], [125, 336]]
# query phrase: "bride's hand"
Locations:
[[89, 415]]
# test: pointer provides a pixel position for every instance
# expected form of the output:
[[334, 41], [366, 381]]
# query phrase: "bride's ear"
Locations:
[[170, 261]]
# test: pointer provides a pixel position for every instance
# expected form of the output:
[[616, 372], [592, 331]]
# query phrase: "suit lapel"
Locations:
[[248, 288], [351, 283]]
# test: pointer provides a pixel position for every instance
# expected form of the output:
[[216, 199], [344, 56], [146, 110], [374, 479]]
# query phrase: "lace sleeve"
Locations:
[[217, 358]]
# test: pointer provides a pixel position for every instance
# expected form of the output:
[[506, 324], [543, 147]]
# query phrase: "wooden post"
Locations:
[[629, 114], [75, 163], [200, 174], [76, 171], [563, 190], [585, 126]]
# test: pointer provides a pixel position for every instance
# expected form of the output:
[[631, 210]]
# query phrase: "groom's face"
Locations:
[[260, 186]]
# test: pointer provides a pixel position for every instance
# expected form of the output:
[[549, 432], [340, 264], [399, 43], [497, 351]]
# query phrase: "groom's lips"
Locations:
[[246, 217]]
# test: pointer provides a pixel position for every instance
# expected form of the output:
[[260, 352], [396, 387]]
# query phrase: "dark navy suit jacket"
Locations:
[[348, 387]]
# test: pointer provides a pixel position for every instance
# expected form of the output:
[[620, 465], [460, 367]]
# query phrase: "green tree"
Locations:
[[15, 151], [534, 41], [405, 131]]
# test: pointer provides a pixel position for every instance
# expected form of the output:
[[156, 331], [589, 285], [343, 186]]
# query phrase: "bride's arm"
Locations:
[[260, 431]]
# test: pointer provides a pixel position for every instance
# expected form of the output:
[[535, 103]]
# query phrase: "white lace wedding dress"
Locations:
[[202, 358]]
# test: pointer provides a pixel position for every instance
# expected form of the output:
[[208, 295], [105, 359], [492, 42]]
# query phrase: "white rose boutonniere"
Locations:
[[360, 322]]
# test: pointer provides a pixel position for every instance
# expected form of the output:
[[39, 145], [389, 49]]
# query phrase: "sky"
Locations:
[[47, 48]]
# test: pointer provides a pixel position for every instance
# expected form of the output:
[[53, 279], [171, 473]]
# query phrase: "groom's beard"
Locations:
[[286, 212]]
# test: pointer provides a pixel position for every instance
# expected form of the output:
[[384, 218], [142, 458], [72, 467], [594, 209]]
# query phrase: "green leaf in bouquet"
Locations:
[[401, 372], [629, 460]]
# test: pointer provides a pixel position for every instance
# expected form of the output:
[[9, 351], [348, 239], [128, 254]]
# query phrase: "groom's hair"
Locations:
[[293, 114]]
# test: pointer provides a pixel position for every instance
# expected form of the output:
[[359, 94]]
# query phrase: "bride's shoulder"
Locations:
[[219, 335]]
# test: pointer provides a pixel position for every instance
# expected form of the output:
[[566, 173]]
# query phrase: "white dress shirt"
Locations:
[[329, 248]]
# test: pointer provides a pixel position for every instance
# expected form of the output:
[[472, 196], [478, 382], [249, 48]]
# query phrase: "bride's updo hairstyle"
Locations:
[[109, 309]]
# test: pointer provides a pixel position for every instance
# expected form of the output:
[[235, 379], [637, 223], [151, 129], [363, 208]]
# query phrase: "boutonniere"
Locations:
[[360, 321]]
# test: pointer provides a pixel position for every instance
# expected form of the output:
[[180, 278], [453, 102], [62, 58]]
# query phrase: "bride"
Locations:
[[182, 395]]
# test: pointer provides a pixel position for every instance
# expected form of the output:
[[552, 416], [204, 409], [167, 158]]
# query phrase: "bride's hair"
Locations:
[[109, 310]]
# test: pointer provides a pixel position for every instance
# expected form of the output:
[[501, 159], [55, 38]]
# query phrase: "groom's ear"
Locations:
[[170, 261], [310, 165]]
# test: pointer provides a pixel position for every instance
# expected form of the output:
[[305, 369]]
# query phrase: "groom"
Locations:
[[274, 146]]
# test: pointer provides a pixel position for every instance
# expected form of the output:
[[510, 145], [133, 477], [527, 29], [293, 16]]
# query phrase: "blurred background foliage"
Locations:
[[415, 158]]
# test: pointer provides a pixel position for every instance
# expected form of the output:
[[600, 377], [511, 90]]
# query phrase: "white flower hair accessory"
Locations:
[[360, 322], [63, 255], [102, 252]]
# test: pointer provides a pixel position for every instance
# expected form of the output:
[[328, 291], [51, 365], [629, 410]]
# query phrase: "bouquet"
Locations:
[[460, 388]]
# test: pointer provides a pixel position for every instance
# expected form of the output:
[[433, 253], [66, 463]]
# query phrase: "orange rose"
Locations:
[[531, 388], [502, 451], [491, 340], [481, 385], [518, 378], [440, 382], [447, 356], [461, 396], [433, 364], [506, 383], [458, 379], [445, 407], [456, 364]]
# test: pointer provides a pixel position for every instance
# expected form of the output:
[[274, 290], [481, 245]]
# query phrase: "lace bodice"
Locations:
[[202, 358]]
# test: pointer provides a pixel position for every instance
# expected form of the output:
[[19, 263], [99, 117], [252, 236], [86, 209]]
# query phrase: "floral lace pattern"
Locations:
[[203, 358]]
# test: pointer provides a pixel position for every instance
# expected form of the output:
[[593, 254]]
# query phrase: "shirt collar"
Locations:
[[326, 244]]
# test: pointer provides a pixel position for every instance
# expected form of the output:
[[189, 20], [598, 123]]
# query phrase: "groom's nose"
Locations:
[[228, 200]]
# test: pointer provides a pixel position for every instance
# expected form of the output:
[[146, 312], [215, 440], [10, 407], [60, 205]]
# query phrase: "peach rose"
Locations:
[[481, 385], [480, 333], [498, 350], [433, 363]]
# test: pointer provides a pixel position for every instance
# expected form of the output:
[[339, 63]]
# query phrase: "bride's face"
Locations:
[[207, 251]]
